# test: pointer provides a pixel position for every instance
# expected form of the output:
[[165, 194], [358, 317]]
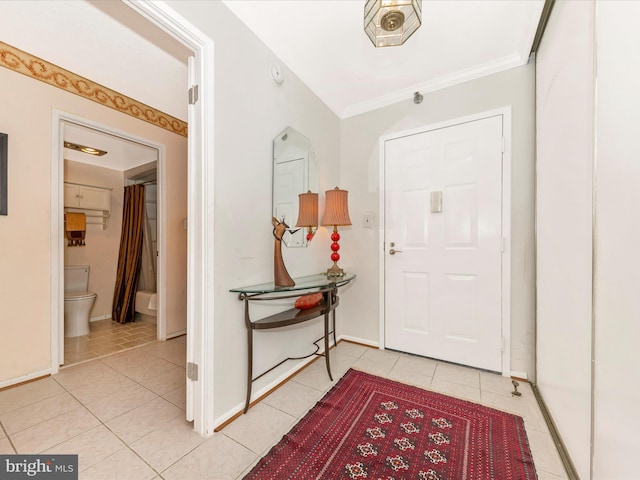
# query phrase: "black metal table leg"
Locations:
[[250, 357], [326, 344], [333, 314], [293, 316]]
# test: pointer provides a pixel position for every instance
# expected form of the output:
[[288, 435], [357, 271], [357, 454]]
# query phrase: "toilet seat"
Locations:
[[76, 296]]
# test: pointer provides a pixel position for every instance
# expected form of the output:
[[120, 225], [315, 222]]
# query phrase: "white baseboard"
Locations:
[[264, 390], [293, 370], [229, 414], [522, 375], [258, 393], [101, 317], [362, 341], [176, 334], [24, 378]]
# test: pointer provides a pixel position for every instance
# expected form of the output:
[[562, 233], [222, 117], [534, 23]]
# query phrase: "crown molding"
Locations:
[[39, 69], [439, 83]]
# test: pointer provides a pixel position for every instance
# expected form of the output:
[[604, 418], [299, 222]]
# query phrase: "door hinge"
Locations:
[[193, 95], [502, 144], [503, 244], [502, 344], [192, 371]]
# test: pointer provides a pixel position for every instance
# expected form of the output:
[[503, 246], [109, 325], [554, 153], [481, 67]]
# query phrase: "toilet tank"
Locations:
[[76, 278]]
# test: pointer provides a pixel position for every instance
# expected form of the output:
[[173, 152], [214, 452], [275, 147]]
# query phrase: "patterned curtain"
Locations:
[[130, 253]]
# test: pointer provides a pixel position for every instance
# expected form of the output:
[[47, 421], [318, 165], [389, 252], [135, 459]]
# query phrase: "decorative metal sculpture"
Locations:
[[281, 277]]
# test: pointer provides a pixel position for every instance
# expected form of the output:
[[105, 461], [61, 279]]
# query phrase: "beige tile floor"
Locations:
[[124, 414], [107, 337]]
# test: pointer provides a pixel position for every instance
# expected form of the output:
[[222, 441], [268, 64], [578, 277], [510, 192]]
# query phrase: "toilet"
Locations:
[[77, 300]]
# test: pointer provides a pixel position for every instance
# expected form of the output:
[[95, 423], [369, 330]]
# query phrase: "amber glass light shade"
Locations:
[[390, 23]]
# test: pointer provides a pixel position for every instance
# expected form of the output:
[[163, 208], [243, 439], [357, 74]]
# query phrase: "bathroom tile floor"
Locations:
[[124, 414], [107, 337]]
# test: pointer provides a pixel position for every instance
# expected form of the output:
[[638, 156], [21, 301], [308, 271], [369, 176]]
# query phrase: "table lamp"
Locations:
[[308, 213], [336, 213]]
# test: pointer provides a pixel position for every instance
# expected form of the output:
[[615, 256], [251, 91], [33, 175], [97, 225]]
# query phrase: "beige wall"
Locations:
[[25, 255], [588, 230], [250, 110], [564, 210], [102, 246], [617, 303]]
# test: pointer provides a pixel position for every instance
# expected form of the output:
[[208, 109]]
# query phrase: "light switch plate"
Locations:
[[367, 220]]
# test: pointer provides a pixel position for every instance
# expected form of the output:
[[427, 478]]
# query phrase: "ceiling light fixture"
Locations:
[[85, 149], [388, 23]]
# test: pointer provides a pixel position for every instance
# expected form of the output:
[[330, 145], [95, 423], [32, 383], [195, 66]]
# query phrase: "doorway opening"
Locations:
[[135, 159], [201, 247]]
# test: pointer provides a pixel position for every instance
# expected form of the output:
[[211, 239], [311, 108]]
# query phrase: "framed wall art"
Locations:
[[4, 138]]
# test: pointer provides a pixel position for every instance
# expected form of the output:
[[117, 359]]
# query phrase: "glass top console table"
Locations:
[[303, 286]]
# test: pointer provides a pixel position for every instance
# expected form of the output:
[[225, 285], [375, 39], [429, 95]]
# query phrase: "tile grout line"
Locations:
[[15, 450], [256, 456], [125, 444], [100, 357], [39, 423], [106, 330]]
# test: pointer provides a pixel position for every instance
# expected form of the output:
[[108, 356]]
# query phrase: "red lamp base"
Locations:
[[335, 270]]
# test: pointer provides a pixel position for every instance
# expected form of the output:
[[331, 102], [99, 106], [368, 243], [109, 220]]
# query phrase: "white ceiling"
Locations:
[[324, 43], [109, 43], [104, 41], [121, 154]]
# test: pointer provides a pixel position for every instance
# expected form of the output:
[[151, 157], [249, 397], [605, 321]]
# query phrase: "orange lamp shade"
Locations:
[[336, 210], [307, 210]]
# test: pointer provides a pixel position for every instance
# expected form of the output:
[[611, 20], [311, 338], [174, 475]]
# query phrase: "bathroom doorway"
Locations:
[[129, 160]]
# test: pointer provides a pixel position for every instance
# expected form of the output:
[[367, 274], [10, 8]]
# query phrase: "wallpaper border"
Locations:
[[39, 69]]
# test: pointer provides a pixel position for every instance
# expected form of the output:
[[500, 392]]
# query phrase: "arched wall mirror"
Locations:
[[295, 171]]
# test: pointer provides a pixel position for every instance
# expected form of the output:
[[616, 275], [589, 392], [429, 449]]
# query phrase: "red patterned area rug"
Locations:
[[369, 427]]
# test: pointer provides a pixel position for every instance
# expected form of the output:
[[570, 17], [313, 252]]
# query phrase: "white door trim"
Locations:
[[506, 220], [200, 222], [58, 120]]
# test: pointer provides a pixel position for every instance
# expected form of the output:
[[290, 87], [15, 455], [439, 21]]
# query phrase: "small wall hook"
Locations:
[[417, 98], [515, 392]]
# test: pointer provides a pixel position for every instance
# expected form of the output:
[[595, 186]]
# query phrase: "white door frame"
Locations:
[[506, 220], [58, 120], [200, 220], [200, 223]]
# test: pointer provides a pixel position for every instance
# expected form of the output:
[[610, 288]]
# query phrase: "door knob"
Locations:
[[393, 251]]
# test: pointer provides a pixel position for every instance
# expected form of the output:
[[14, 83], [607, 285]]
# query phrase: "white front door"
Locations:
[[443, 242]]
